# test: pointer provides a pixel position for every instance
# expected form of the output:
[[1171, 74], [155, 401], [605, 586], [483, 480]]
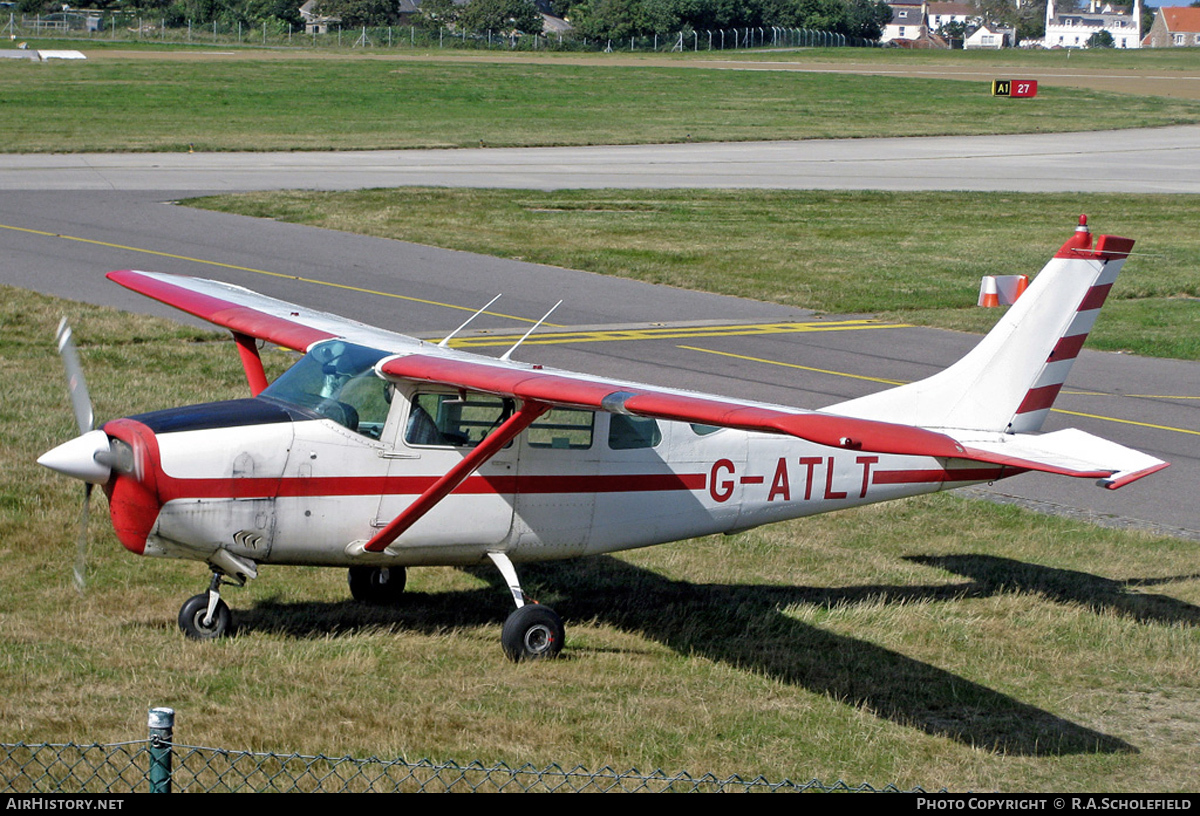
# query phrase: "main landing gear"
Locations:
[[377, 585], [533, 631]]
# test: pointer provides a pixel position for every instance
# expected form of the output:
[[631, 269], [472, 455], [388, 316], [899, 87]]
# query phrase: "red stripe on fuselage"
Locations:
[[932, 475], [172, 489]]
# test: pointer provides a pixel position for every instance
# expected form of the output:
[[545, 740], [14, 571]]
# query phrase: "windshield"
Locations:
[[337, 380]]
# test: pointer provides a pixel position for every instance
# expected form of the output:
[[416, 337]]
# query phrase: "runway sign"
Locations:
[[1021, 88]]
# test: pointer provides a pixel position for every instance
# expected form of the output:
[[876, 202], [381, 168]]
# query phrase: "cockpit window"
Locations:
[[337, 380]]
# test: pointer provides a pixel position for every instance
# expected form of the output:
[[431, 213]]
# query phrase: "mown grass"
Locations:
[[248, 103], [916, 257], [935, 642]]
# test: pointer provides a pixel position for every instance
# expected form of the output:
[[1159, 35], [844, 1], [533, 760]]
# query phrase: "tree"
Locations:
[[502, 16], [354, 13], [1101, 39], [952, 32], [867, 18], [439, 13]]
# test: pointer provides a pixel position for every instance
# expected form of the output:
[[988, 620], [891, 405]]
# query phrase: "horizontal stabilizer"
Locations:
[[1069, 452]]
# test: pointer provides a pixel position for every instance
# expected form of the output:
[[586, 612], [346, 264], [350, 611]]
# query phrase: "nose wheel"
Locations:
[[206, 616]]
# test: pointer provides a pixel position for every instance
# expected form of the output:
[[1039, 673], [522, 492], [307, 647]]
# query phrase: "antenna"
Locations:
[[506, 355], [450, 336]]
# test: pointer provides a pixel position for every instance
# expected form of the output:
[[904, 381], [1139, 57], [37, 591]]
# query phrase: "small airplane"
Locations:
[[377, 452]]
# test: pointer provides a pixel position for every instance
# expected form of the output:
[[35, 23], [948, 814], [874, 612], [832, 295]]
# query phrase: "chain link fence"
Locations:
[[127, 27], [158, 764]]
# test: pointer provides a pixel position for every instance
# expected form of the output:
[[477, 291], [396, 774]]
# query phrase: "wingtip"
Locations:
[[1119, 480]]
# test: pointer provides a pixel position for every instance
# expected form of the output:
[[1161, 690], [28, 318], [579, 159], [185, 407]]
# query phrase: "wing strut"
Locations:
[[256, 376], [443, 487]]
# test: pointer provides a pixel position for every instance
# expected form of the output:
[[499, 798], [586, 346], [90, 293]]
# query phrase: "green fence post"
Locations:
[[162, 732]]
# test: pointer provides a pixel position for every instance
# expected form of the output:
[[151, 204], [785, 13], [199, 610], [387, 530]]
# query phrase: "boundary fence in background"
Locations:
[[128, 28], [159, 764]]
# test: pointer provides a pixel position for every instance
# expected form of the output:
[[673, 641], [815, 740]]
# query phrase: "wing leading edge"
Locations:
[[248, 313]]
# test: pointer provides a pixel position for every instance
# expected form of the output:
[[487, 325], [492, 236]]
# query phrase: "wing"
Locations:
[[535, 385], [250, 314]]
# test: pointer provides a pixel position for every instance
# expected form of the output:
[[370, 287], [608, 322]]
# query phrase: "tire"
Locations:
[[533, 632], [377, 585], [193, 612]]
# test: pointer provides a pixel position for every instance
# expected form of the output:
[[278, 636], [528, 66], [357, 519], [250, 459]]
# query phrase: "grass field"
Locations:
[[935, 642], [269, 103], [916, 257]]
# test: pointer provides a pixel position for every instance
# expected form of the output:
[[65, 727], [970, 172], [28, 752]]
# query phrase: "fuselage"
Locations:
[[278, 482]]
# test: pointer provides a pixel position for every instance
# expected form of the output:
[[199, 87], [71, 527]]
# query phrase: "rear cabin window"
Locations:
[[631, 433], [564, 428]]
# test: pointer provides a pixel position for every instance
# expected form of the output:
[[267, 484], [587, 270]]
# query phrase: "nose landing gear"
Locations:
[[206, 616]]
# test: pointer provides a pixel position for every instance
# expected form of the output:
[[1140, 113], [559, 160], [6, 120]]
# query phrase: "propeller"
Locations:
[[81, 404], [91, 457]]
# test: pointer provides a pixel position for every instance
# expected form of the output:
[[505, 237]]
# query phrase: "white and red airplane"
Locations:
[[378, 452]]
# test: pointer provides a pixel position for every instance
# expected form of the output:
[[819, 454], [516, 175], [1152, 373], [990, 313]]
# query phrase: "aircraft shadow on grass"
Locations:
[[743, 626], [992, 575]]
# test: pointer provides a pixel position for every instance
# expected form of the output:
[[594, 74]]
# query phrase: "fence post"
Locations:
[[162, 732]]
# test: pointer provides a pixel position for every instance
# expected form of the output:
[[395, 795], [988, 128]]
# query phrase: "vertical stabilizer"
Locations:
[[1009, 381]]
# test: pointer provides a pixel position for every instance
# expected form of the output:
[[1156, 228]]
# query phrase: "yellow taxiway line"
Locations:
[[267, 272], [672, 333]]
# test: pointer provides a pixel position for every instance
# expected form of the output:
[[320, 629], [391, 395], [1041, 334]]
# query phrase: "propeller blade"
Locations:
[[81, 542], [81, 403]]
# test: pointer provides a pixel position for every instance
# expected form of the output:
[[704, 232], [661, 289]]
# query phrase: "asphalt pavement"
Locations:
[[1154, 160]]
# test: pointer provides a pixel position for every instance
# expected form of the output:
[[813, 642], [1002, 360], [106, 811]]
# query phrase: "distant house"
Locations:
[[940, 14], [314, 21], [907, 23], [1073, 29], [1175, 28], [916, 25], [991, 36]]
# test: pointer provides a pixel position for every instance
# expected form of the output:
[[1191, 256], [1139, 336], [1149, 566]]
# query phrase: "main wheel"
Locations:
[[193, 612], [377, 585], [533, 632]]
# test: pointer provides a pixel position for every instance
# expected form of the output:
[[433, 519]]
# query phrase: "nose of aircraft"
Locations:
[[85, 457]]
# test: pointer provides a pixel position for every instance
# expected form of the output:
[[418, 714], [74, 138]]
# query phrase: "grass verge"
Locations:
[[916, 257], [935, 642], [247, 103]]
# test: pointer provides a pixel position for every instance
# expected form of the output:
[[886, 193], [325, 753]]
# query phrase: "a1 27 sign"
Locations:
[[1023, 88]]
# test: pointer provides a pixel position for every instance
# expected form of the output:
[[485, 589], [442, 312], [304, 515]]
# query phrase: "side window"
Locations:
[[566, 428], [630, 433], [704, 430], [448, 420]]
